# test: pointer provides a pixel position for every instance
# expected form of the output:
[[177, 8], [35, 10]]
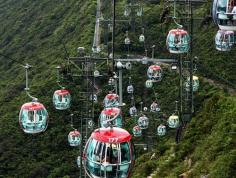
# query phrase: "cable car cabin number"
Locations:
[[113, 140]]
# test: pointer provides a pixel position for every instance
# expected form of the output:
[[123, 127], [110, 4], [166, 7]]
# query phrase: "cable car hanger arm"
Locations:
[[27, 66]]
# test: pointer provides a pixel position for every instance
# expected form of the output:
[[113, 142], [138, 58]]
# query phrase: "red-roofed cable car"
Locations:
[[224, 40], [62, 97], [33, 117], [178, 41], [109, 153], [161, 130], [154, 73], [111, 117], [111, 100], [137, 131], [74, 138]]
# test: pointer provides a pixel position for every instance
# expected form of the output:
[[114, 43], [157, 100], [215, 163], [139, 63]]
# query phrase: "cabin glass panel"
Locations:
[[108, 160]]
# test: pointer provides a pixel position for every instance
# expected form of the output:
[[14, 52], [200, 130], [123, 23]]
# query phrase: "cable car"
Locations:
[[127, 41], [173, 121], [130, 89], [133, 111], [127, 11], [141, 38], [143, 122], [61, 99], [74, 138], [137, 131], [161, 130], [154, 73], [91, 124], [224, 40], [93, 98], [224, 14], [111, 100], [195, 84], [111, 116], [155, 107], [148, 84], [109, 154], [139, 11], [33, 117], [178, 41]]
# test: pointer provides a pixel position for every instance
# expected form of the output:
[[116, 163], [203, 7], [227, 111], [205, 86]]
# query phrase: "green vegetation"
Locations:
[[32, 31]]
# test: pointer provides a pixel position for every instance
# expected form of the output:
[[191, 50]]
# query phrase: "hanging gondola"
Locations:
[[224, 14], [33, 117], [149, 84], [130, 89], [161, 130], [143, 122], [155, 107], [74, 138], [137, 131], [111, 100], [195, 84], [111, 117], [133, 111], [173, 121], [224, 40], [178, 41], [61, 99], [109, 154], [154, 73]]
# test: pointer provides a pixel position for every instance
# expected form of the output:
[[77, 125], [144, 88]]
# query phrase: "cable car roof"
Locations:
[[111, 135], [228, 32], [111, 111], [174, 117], [178, 31], [112, 96], [62, 92], [155, 67], [74, 133], [33, 106]]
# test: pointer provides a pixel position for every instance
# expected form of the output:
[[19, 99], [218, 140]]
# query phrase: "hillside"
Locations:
[[33, 32]]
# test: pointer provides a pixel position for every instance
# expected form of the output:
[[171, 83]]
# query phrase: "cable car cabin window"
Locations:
[[231, 5], [125, 153], [31, 116], [60, 98], [24, 115], [231, 38], [177, 39], [172, 38], [221, 6], [185, 39], [93, 163], [41, 114]]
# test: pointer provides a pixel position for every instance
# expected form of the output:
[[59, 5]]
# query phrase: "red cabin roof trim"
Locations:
[[111, 135], [31, 106]]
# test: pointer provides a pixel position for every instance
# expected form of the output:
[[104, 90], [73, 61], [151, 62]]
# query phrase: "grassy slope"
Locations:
[[31, 31]]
